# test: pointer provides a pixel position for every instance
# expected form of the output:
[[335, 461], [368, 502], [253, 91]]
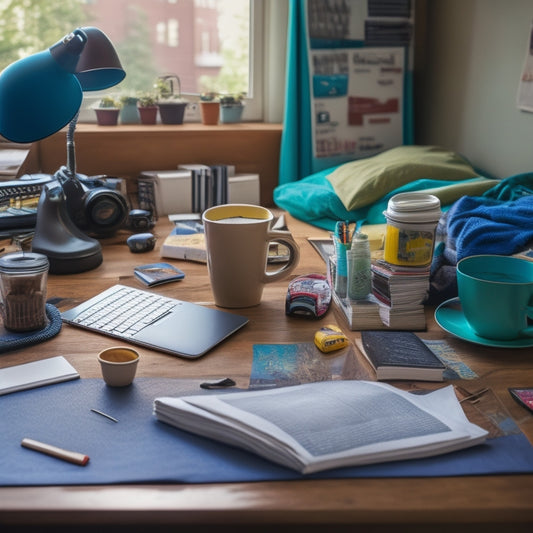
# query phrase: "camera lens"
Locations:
[[106, 211]]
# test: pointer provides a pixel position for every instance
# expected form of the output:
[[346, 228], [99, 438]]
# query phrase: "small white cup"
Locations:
[[119, 365]]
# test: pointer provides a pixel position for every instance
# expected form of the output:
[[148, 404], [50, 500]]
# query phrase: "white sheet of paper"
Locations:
[[36, 374]]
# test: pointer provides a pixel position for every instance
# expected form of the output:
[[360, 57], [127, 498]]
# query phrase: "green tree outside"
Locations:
[[29, 26], [135, 55], [234, 27]]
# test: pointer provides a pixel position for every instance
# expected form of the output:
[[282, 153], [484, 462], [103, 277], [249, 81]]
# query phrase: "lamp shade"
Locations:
[[99, 66], [40, 94]]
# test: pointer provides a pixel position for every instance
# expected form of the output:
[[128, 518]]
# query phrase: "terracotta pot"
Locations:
[[148, 114], [210, 113], [107, 116], [172, 112]]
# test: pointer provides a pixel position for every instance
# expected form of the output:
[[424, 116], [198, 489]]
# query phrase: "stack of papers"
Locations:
[[328, 424], [403, 317], [401, 292], [360, 314]]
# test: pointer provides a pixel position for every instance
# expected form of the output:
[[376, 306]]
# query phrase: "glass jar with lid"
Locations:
[[23, 278]]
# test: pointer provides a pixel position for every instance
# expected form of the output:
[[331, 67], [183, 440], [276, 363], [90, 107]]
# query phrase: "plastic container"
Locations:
[[23, 277], [411, 223]]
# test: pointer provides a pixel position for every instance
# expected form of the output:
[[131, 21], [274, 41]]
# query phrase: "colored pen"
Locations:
[[54, 451], [341, 230]]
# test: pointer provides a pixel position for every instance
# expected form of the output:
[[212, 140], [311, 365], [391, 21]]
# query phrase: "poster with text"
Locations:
[[357, 100]]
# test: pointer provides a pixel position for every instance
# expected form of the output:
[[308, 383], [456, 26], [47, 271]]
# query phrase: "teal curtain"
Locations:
[[296, 142], [297, 159]]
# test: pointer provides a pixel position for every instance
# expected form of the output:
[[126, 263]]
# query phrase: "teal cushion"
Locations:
[[362, 182]]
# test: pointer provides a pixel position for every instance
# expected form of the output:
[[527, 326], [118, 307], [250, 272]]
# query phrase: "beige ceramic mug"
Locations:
[[237, 240]]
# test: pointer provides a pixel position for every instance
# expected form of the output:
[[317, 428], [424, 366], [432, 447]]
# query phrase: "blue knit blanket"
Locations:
[[482, 225], [498, 222]]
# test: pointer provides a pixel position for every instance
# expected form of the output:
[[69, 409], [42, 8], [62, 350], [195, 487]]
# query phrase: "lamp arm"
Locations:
[[71, 152]]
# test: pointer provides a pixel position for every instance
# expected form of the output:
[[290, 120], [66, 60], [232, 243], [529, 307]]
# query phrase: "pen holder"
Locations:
[[359, 284], [341, 276]]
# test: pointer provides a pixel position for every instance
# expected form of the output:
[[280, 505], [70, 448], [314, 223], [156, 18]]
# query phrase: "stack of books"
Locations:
[[401, 292], [186, 240], [193, 188], [396, 302]]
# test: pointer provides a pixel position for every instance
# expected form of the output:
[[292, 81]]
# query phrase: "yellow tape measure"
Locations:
[[330, 338]]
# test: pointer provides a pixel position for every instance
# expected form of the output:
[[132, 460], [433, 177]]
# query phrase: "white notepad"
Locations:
[[36, 374]]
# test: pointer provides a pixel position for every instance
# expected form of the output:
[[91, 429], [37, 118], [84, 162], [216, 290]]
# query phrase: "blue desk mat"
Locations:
[[140, 449]]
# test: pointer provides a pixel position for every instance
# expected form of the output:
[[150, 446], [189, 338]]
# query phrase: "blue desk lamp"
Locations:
[[92, 208], [39, 95]]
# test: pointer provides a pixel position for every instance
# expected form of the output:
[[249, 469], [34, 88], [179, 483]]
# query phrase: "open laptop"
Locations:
[[158, 322]]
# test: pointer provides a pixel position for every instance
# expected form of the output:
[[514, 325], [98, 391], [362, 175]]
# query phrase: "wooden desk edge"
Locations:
[[491, 500]]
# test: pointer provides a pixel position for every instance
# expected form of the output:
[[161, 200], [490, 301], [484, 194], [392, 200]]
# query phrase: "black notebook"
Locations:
[[401, 355]]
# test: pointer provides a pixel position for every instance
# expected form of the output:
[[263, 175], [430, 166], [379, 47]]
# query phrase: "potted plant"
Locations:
[[107, 111], [231, 107], [128, 110], [147, 107], [210, 108], [171, 104]]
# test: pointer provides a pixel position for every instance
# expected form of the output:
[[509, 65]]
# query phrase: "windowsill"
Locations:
[[186, 127], [126, 150]]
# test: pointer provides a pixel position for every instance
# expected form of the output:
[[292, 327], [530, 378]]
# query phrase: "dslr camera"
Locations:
[[93, 206]]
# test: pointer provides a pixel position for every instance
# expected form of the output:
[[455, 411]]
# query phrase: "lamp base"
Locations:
[[68, 249], [62, 265]]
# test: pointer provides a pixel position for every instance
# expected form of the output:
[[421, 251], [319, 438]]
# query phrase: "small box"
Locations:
[[172, 190], [244, 189]]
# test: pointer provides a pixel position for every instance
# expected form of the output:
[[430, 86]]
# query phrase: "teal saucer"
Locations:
[[449, 316]]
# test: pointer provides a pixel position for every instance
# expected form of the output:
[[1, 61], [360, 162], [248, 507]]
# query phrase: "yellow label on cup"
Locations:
[[408, 247], [411, 223]]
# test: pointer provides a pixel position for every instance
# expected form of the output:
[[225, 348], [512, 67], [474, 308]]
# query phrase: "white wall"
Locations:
[[274, 60], [466, 92]]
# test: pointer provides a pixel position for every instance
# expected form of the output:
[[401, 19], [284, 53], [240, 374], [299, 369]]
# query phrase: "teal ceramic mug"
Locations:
[[496, 294]]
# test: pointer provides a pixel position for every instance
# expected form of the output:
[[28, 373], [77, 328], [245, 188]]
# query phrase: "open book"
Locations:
[[328, 424]]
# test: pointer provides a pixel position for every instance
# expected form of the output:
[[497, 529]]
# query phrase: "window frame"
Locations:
[[254, 110]]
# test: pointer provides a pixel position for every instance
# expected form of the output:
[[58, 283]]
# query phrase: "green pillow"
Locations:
[[363, 182]]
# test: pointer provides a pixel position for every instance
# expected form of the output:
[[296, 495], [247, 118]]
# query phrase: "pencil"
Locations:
[[54, 451]]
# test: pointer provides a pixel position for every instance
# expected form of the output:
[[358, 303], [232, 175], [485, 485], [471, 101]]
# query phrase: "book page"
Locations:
[[377, 416]]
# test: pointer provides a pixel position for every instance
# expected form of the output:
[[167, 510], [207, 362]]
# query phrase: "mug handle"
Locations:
[[529, 330], [285, 238]]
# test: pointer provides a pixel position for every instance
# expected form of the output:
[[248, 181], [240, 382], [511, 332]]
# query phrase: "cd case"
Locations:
[[157, 273]]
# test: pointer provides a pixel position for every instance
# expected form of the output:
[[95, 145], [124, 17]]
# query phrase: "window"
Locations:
[[212, 45], [161, 32], [173, 33]]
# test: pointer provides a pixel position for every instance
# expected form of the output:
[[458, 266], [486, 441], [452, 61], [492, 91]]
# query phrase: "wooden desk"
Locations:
[[491, 503]]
